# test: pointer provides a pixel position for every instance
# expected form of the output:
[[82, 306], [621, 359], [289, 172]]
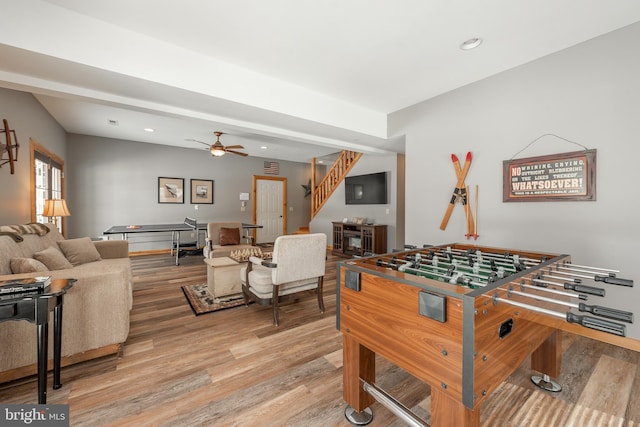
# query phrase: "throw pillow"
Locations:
[[26, 265], [229, 236], [79, 251], [53, 259]]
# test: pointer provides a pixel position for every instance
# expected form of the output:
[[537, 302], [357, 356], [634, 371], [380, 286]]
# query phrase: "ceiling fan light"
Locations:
[[217, 151]]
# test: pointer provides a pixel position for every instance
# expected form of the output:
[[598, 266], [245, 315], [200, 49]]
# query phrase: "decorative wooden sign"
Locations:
[[556, 177], [10, 148]]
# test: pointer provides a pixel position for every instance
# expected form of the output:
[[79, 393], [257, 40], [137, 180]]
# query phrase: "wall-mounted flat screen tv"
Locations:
[[368, 189]]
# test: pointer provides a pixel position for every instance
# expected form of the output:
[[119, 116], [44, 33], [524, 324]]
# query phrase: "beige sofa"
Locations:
[[217, 247], [96, 309]]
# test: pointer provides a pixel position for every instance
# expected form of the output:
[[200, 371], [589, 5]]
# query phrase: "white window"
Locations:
[[47, 177]]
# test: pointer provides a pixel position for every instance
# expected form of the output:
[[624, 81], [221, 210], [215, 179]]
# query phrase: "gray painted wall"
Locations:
[[589, 94], [30, 120], [114, 182], [335, 209]]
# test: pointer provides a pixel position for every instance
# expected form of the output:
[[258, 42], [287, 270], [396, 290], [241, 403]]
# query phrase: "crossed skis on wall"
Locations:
[[462, 195]]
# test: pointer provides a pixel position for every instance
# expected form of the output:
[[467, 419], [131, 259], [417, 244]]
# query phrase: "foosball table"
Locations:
[[462, 318]]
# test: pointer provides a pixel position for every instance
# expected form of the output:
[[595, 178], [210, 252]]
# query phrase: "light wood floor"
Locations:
[[233, 368]]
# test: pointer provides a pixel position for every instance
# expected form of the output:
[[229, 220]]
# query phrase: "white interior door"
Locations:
[[270, 202]]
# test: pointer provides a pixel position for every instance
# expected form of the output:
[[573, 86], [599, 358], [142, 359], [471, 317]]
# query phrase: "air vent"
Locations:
[[113, 122]]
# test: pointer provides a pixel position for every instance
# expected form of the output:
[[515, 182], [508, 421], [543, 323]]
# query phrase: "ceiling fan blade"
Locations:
[[234, 146], [236, 152], [195, 140]]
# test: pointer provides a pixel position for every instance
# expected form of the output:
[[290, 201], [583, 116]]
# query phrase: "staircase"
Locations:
[[302, 230], [340, 168]]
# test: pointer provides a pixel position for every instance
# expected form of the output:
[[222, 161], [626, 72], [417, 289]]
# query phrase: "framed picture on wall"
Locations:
[[201, 191], [170, 190]]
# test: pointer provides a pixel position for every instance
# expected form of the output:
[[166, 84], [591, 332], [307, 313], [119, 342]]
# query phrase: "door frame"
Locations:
[[254, 193]]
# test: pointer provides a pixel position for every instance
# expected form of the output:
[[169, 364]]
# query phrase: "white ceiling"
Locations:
[[305, 78]]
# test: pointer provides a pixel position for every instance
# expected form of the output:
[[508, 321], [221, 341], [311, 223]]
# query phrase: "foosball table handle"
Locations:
[[610, 313], [614, 280], [597, 324], [591, 290]]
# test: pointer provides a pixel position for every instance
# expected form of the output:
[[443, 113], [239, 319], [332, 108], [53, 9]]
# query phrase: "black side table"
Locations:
[[36, 309]]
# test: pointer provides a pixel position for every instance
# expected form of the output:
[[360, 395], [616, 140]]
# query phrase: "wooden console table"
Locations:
[[351, 239]]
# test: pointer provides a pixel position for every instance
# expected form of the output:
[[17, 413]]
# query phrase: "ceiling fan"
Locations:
[[217, 149]]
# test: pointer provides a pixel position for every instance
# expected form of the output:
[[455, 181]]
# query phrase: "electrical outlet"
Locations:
[[242, 209], [196, 207]]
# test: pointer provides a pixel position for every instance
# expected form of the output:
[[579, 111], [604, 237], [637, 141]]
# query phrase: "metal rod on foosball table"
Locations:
[[508, 262], [494, 266], [597, 310], [389, 402], [550, 276], [586, 321], [611, 279], [495, 256], [453, 276], [538, 288], [591, 290], [407, 266], [466, 256], [474, 271], [608, 270], [448, 256], [448, 275], [550, 290], [435, 263], [451, 268]]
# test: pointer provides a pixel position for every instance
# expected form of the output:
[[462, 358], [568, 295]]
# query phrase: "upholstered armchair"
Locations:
[[224, 238], [298, 264]]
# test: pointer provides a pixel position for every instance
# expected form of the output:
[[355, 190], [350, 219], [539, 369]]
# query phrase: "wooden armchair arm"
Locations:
[[269, 264], [263, 262]]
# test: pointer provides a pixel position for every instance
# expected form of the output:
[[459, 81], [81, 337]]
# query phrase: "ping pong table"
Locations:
[[174, 229]]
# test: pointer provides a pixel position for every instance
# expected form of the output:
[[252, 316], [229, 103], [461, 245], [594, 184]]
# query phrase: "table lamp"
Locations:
[[54, 208]]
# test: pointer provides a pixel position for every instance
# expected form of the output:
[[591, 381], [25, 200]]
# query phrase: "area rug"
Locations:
[[202, 302]]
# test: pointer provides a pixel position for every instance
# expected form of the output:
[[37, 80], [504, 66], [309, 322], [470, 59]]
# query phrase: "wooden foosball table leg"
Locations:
[[546, 360], [446, 411], [358, 363]]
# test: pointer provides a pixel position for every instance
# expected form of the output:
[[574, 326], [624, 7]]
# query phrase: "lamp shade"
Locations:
[[55, 207], [217, 151]]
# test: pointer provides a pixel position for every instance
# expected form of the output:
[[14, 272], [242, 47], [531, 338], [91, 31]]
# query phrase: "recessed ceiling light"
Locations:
[[149, 130], [471, 43], [320, 161], [264, 147]]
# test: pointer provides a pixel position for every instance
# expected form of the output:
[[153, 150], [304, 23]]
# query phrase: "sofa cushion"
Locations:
[[26, 265], [53, 259], [229, 236], [79, 251], [34, 243]]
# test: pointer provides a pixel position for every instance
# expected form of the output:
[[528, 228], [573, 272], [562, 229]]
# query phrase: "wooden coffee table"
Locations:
[[223, 276]]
